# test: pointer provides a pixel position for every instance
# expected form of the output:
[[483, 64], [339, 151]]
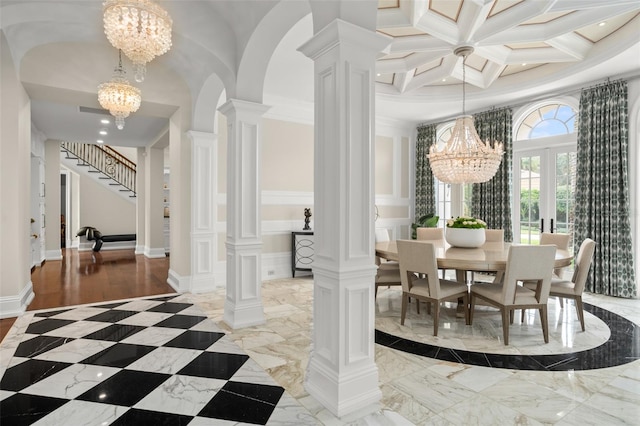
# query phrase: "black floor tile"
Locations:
[[115, 332], [214, 365], [39, 345], [46, 325], [50, 313], [194, 340], [22, 409], [181, 321], [118, 355], [110, 305], [112, 316], [125, 388], [135, 417], [170, 307], [29, 372], [228, 404]]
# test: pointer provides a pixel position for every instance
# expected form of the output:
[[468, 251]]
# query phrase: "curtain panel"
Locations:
[[491, 201], [425, 182], [602, 191]]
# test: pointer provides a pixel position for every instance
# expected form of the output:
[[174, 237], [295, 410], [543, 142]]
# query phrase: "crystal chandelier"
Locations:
[[118, 96], [465, 158], [140, 28]]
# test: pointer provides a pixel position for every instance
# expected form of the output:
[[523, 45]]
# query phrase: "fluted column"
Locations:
[[243, 305], [342, 373]]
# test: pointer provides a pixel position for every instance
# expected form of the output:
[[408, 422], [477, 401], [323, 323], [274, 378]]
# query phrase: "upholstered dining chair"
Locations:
[[492, 236], [561, 241], [382, 235], [418, 258], [388, 273], [524, 263], [573, 289], [429, 234]]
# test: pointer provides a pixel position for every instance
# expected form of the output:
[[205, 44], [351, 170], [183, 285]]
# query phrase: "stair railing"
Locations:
[[105, 159]]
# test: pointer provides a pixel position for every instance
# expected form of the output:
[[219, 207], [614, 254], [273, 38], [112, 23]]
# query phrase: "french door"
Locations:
[[544, 183]]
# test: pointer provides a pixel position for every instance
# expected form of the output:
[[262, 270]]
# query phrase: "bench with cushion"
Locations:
[[93, 234]]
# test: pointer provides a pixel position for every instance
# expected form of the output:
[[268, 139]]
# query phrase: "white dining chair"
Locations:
[[561, 241], [423, 234], [491, 236], [418, 258], [524, 263], [573, 289]]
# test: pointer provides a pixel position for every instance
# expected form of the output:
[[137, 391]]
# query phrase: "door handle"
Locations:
[[552, 228], [541, 225]]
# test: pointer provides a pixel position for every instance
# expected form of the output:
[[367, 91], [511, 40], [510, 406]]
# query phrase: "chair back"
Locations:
[[494, 235], [429, 234], [561, 241], [382, 235], [582, 265], [528, 263], [418, 257]]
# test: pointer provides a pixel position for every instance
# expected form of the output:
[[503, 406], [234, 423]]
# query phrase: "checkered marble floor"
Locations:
[[153, 361]]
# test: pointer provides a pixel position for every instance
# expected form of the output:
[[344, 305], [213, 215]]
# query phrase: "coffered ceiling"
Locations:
[[512, 39]]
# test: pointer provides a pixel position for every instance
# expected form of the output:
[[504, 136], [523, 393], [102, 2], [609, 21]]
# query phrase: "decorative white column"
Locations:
[[154, 217], [204, 214], [243, 304], [342, 373], [141, 196]]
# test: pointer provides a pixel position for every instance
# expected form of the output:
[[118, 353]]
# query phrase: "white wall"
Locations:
[[104, 210]]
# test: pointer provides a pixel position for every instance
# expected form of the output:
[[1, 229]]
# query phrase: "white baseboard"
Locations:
[[139, 249], [276, 266], [154, 253], [181, 284], [53, 254], [14, 306]]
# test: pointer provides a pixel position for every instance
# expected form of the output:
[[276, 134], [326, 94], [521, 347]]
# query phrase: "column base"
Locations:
[[246, 315]]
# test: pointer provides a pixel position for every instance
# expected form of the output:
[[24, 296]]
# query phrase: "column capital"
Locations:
[[246, 108], [204, 136], [341, 32]]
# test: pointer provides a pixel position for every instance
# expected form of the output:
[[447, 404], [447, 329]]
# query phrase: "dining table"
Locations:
[[491, 256]]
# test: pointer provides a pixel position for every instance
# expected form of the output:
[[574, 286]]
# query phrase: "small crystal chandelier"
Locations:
[[140, 28], [118, 96], [465, 158]]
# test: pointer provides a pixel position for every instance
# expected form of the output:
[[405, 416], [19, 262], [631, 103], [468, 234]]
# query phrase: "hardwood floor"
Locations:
[[89, 277]]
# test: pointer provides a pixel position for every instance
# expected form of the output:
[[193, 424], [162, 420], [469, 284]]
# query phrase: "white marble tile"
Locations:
[[75, 350], [145, 319], [289, 412], [585, 414], [474, 378], [78, 329], [537, 402], [480, 410], [251, 372], [432, 391], [5, 394], [72, 381], [619, 403], [225, 345], [82, 413], [80, 313], [626, 384], [207, 325], [164, 360], [153, 336], [405, 405], [138, 305], [182, 395]]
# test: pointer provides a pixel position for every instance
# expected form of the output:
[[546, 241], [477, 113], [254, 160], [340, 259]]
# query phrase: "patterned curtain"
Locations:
[[491, 201], [602, 194], [425, 184]]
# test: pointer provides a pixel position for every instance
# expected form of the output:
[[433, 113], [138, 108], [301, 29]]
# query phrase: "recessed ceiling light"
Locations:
[[378, 74], [524, 64], [103, 132], [100, 141], [444, 79], [105, 121], [602, 24]]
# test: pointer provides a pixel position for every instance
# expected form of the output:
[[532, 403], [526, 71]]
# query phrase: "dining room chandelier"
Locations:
[[118, 96], [465, 158], [140, 28]]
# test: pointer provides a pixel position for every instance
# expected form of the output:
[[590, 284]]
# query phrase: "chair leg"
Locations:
[[505, 325], [375, 294], [561, 299], [436, 316], [512, 313], [580, 310], [417, 305], [472, 305], [545, 323], [403, 309], [467, 320], [522, 316]]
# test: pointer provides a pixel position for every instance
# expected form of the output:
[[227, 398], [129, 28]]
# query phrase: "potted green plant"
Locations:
[[465, 231], [427, 221]]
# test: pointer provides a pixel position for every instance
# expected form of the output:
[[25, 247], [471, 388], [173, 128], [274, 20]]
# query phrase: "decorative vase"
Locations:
[[465, 237]]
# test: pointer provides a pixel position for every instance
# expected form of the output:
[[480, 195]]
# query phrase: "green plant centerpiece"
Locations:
[[465, 231]]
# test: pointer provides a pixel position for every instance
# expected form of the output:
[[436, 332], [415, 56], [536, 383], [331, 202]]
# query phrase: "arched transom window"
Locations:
[[549, 120]]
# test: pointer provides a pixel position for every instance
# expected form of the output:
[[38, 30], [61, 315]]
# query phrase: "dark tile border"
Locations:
[[622, 347]]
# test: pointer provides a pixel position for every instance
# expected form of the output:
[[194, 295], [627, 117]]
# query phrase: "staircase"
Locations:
[[103, 163]]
